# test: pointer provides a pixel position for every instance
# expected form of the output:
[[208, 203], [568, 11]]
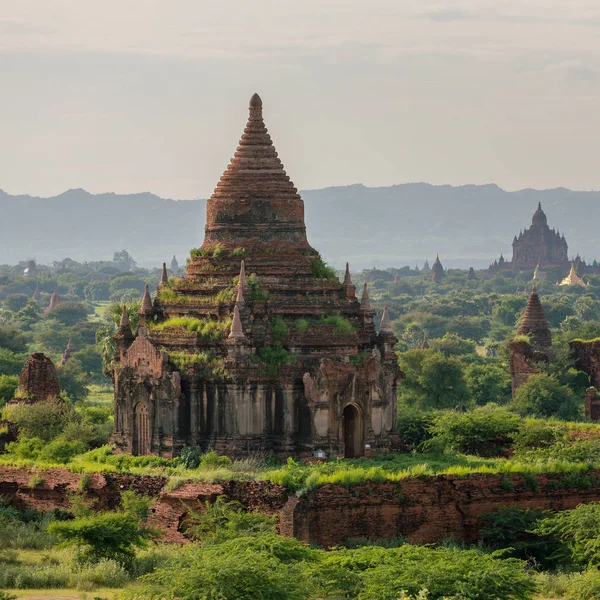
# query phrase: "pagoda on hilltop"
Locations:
[[259, 348]]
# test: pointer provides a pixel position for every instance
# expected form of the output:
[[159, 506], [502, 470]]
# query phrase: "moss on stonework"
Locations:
[[273, 358], [523, 339]]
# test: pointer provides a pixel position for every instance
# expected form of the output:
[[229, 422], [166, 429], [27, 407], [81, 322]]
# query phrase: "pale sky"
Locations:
[[151, 95]]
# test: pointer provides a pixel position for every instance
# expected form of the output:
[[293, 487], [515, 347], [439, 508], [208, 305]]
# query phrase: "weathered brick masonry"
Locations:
[[424, 510]]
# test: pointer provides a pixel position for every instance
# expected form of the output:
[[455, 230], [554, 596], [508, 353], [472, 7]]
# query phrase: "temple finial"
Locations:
[[124, 324], [255, 101], [242, 281], [146, 302], [164, 279], [385, 327], [237, 331], [364, 300]]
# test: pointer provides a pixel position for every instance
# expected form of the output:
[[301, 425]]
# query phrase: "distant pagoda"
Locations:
[[538, 246], [259, 348], [437, 271]]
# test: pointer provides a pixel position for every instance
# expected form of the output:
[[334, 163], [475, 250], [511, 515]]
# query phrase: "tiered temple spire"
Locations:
[[255, 203], [349, 287], [364, 300], [237, 331], [534, 323], [385, 327], [164, 278]]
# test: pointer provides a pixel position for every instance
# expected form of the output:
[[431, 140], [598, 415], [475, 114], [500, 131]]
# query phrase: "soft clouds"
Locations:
[[147, 94]]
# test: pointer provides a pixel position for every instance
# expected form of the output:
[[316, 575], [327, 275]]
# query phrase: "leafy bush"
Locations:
[[510, 527], [533, 435], [8, 387], [578, 530], [279, 329], [320, 270], [265, 567], [273, 357], [44, 420], [61, 451], [484, 431], [110, 535], [385, 574], [11, 363], [543, 396], [224, 520], [413, 426]]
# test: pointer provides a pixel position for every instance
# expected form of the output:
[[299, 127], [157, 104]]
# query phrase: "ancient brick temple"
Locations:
[[38, 380], [537, 246], [259, 348], [525, 356]]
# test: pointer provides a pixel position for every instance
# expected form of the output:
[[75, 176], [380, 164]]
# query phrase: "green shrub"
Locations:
[[265, 567], [510, 527], [578, 530], [103, 536], [26, 448], [8, 387], [44, 420], [320, 270], [273, 358], [61, 451], [533, 435], [386, 574], [190, 456], [413, 426], [225, 519], [543, 396], [484, 431], [301, 325], [342, 326], [212, 460], [584, 586], [279, 329], [137, 505]]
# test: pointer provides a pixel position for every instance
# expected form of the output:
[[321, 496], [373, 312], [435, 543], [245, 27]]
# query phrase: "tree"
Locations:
[[543, 396], [432, 380], [44, 420], [587, 308], [124, 261], [12, 339], [8, 387], [488, 382], [11, 363], [69, 313], [453, 345], [73, 380], [16, 302], [96, 291]]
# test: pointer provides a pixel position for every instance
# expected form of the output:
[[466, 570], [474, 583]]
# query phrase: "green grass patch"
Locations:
[[206, 329]]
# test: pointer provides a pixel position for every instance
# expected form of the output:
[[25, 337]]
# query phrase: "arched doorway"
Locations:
[[353, 442], [142, 429]]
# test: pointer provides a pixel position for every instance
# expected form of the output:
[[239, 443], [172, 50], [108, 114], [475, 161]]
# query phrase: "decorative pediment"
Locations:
[[144, 356]]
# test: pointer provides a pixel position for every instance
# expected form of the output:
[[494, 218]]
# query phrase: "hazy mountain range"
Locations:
[[385, 226]]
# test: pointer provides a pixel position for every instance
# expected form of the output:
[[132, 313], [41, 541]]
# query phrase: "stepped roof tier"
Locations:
[[260, 347], [255, 204], [534, 323]]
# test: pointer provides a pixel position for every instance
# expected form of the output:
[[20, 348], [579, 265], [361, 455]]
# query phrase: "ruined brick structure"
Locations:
[[537, 246], [38, 380], [526, 355], [587, 359], [276, 355]]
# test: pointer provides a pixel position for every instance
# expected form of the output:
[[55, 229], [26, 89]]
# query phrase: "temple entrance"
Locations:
[[353, 442], [142, 429]]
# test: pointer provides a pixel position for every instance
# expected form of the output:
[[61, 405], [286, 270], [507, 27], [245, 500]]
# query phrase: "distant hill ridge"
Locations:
[[382, 226]]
